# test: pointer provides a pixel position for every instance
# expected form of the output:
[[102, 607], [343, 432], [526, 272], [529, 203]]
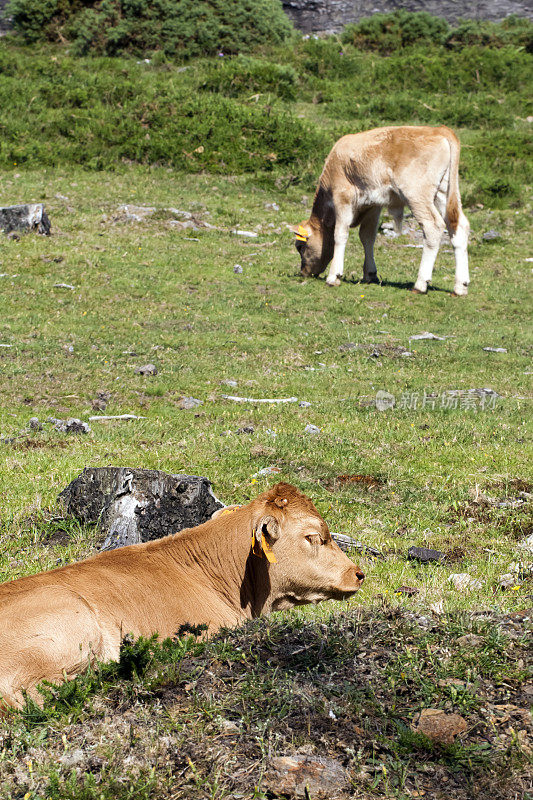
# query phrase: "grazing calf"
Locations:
[[394, 167], [274, 553]]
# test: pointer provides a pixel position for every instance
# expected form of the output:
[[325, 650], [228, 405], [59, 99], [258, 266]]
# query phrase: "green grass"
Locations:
[[154, 293]]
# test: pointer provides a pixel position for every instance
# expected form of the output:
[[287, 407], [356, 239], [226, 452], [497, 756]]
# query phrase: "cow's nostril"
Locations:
[[360, 575]]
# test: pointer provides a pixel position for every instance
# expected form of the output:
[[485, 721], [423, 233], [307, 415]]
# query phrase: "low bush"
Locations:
[[246, 75], [514, 31], [101, 112], [386, 33], [179, 28]]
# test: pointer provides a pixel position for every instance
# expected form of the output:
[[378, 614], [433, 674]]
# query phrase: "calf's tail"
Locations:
[[453, 202]]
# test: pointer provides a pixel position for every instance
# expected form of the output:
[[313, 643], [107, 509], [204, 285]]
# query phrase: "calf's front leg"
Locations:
[[367, 233], [343, 220]]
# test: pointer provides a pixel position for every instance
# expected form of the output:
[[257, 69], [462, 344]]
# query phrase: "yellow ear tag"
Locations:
[[228, 511], [302, 235], [267, 551]]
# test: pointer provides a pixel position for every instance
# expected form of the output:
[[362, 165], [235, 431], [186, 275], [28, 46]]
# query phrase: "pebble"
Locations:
[[147, 369], [312, 429]]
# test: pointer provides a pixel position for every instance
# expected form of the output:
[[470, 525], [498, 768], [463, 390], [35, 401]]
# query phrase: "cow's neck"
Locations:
[[220, 559]]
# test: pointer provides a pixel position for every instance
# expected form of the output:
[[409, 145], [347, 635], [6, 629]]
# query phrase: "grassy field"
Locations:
[[204, 720]]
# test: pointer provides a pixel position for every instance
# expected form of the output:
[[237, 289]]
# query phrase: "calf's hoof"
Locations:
[[335, 282], [460, 291], [372, 278], [414, 290]]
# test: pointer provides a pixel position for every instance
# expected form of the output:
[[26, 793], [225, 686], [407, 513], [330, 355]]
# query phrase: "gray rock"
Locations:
[[72, 759], [132, 213], [491, 235], [424, 554], [333, 15], [27, 217], [138, 505], [304, 404], [34, 424], [148, 369], [495, 349], [237, 269], [71, 425], [187, 403], [312, 429]]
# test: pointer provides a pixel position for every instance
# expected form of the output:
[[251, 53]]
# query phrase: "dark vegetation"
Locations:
[[182, 28], [201, 716]]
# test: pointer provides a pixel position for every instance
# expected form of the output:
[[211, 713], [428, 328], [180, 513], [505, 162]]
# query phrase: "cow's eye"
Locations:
[[314, 539]]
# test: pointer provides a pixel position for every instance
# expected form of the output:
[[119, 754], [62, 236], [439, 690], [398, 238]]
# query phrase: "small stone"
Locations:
[[506, 581], [527, 543], [64, 286], [69, 760], [231, 383], [246, 429], [228, 726], [132, 213], [495, 349], [272, 206], [439, 726], [34, 424], [148, 369], [312, 429], [303, 776], [304, 404], [425, 555], [237, 269], [491, 235], [470, 640], [462, 581], [74, 425], [187, 403]]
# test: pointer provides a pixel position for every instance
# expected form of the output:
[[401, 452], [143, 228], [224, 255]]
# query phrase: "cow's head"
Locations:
[[315, 248], [306, 565]]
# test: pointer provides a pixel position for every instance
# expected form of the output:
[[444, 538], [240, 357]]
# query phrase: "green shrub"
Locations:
[[386, 33], [514, 31], [179, 28], [246, 75], [326, 57], [100, 111]]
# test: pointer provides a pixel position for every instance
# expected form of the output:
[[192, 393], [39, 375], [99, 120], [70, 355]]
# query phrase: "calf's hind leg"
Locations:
[[433, 225], [49, 634], [459, 240]]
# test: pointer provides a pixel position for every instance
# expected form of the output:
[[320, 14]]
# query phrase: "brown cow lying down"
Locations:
[[274, 553], [395, 167]]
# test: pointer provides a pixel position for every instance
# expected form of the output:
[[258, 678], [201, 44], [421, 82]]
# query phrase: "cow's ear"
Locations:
[[264, 534]]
